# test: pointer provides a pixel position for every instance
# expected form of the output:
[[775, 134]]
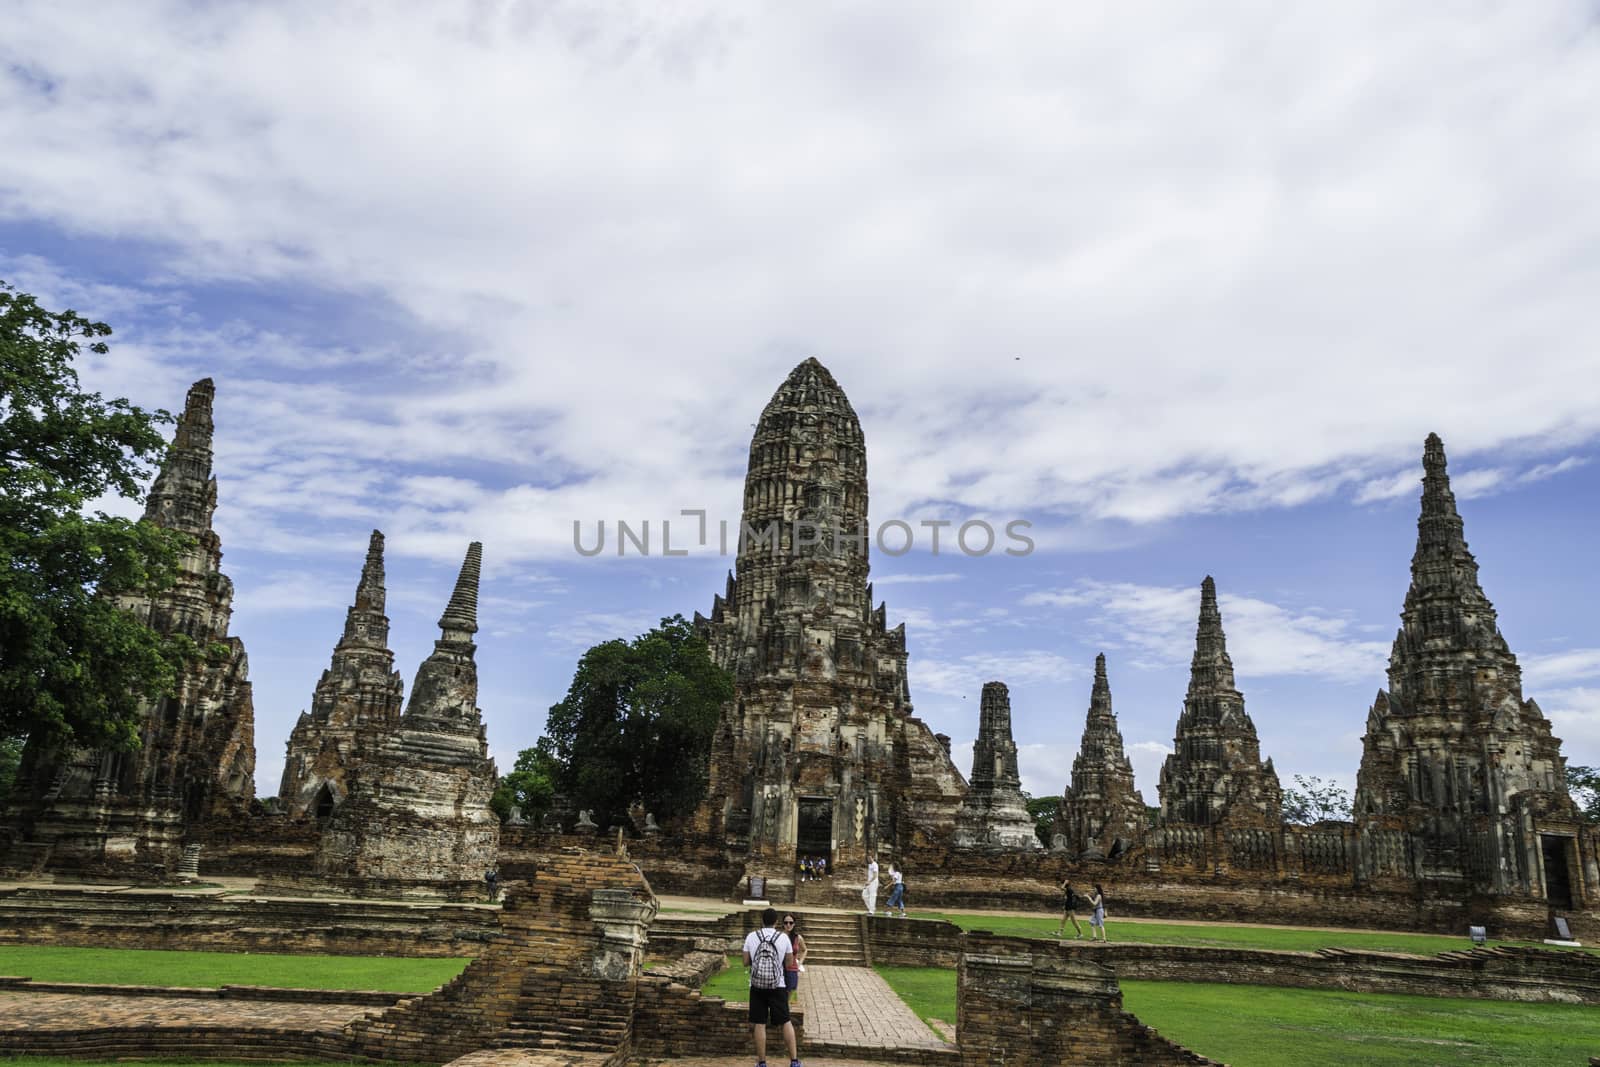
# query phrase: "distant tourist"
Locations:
[[1069, 911], [822, 866], [869, 892], [897, 890], [1097, 920], [768, 953], [491, 880], [797, 964]]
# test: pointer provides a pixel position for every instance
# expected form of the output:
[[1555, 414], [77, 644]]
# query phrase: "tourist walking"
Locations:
[[1069, 911], [897, 890], [792, 969], [768, 952], [1097, 920], [869, 892]]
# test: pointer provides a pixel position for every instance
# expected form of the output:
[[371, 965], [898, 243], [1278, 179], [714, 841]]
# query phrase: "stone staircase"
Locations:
[[833, 940], [570, 1014]]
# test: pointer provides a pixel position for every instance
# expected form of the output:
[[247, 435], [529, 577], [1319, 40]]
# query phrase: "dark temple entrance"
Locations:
[[814, 834], [1557, 880]]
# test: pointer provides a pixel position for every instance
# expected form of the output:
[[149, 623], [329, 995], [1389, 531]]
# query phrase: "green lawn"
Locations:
[[211, 969], [1253, 937], [55, 1061], [928, 991], [1262, 1026], [731, 983]]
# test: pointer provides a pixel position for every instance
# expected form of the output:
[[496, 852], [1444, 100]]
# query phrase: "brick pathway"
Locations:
[[851, 1007], [69, 1011]]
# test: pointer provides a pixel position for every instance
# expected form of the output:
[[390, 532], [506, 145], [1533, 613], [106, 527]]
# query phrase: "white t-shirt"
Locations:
[[872, 871], [895, 876], [754, 938]]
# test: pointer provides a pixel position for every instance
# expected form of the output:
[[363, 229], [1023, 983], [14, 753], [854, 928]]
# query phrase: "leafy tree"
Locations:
[[73, 666], [1584, 785], [10, 759], [1044, 811], [637, 722], [1311, 800], [531, 786]]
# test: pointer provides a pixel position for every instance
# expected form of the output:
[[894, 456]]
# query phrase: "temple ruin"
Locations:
[[417, 818], [1102, 811], [1215, 775], [1454, 756], [126, 814], [818, 754], [355, 705], [994, 813]]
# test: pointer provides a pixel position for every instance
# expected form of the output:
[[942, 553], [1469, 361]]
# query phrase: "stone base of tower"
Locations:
[[995, 823]]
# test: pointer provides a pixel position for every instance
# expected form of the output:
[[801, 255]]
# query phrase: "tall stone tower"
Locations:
[[818, 753], [417, 820], [1101, 805], [356, 702], [994, 815], [125, 814], [1215, 776], [1453, 754]]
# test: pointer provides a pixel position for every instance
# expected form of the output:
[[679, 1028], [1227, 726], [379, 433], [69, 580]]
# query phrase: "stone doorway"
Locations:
[[1557, 877], [814, 832], [325, 802]]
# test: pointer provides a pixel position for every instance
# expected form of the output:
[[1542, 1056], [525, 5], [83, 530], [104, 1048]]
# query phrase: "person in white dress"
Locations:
[[869, 892]]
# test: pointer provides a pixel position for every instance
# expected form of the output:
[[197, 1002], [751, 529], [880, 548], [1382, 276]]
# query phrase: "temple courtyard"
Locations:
[[236, 1006]]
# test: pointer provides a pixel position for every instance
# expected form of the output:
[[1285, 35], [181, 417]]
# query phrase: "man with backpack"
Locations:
[[768, 952]]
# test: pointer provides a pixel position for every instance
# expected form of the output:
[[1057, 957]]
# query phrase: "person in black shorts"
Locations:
[[768, 953]]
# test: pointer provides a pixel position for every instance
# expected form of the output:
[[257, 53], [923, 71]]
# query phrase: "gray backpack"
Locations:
[[766, 969]]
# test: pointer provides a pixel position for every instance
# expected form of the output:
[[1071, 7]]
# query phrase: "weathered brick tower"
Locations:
[[417, 820], [1453, 756], [356, 703], [1215, 776], [818, 753], [126, 814], [1101, 806], [994, 815]]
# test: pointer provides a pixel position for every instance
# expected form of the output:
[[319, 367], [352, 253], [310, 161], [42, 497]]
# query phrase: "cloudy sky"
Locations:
[[1185, 288]]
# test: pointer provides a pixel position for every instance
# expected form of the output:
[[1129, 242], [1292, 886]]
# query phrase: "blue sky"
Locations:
[[1184, 289]]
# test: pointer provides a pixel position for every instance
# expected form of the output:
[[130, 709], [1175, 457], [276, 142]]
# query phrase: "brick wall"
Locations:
[[1024, 1002]]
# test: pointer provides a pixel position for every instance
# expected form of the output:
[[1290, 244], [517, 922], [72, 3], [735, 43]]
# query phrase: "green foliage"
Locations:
[[1311, 800], [637, 722], [210, 970], [73, 666], [930, 992], [1584, 785], [1264, 1026], [10, 759], [1045, 811], [531, 786]]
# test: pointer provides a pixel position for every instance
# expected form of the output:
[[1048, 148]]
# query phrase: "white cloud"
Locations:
[[1262, 267], [966, 675], [1156, 625], [1555, 667], [912, 579], [1575, 716]]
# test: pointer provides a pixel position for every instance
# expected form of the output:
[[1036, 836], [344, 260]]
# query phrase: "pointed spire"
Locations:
[[1211, 669], [195, 425], [1100, 696], [370, 591], [1439, 529], [183, 495], [461, 614]]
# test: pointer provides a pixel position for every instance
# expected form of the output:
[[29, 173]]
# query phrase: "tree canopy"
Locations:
[[530, 785], [1584, 785], [1311, 800], [74, 667], [637, 723]]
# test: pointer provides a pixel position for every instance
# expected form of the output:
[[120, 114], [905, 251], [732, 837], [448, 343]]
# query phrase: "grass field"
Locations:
[[1261, 1026], [208, 970], [730, 984], [1251, 937]]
